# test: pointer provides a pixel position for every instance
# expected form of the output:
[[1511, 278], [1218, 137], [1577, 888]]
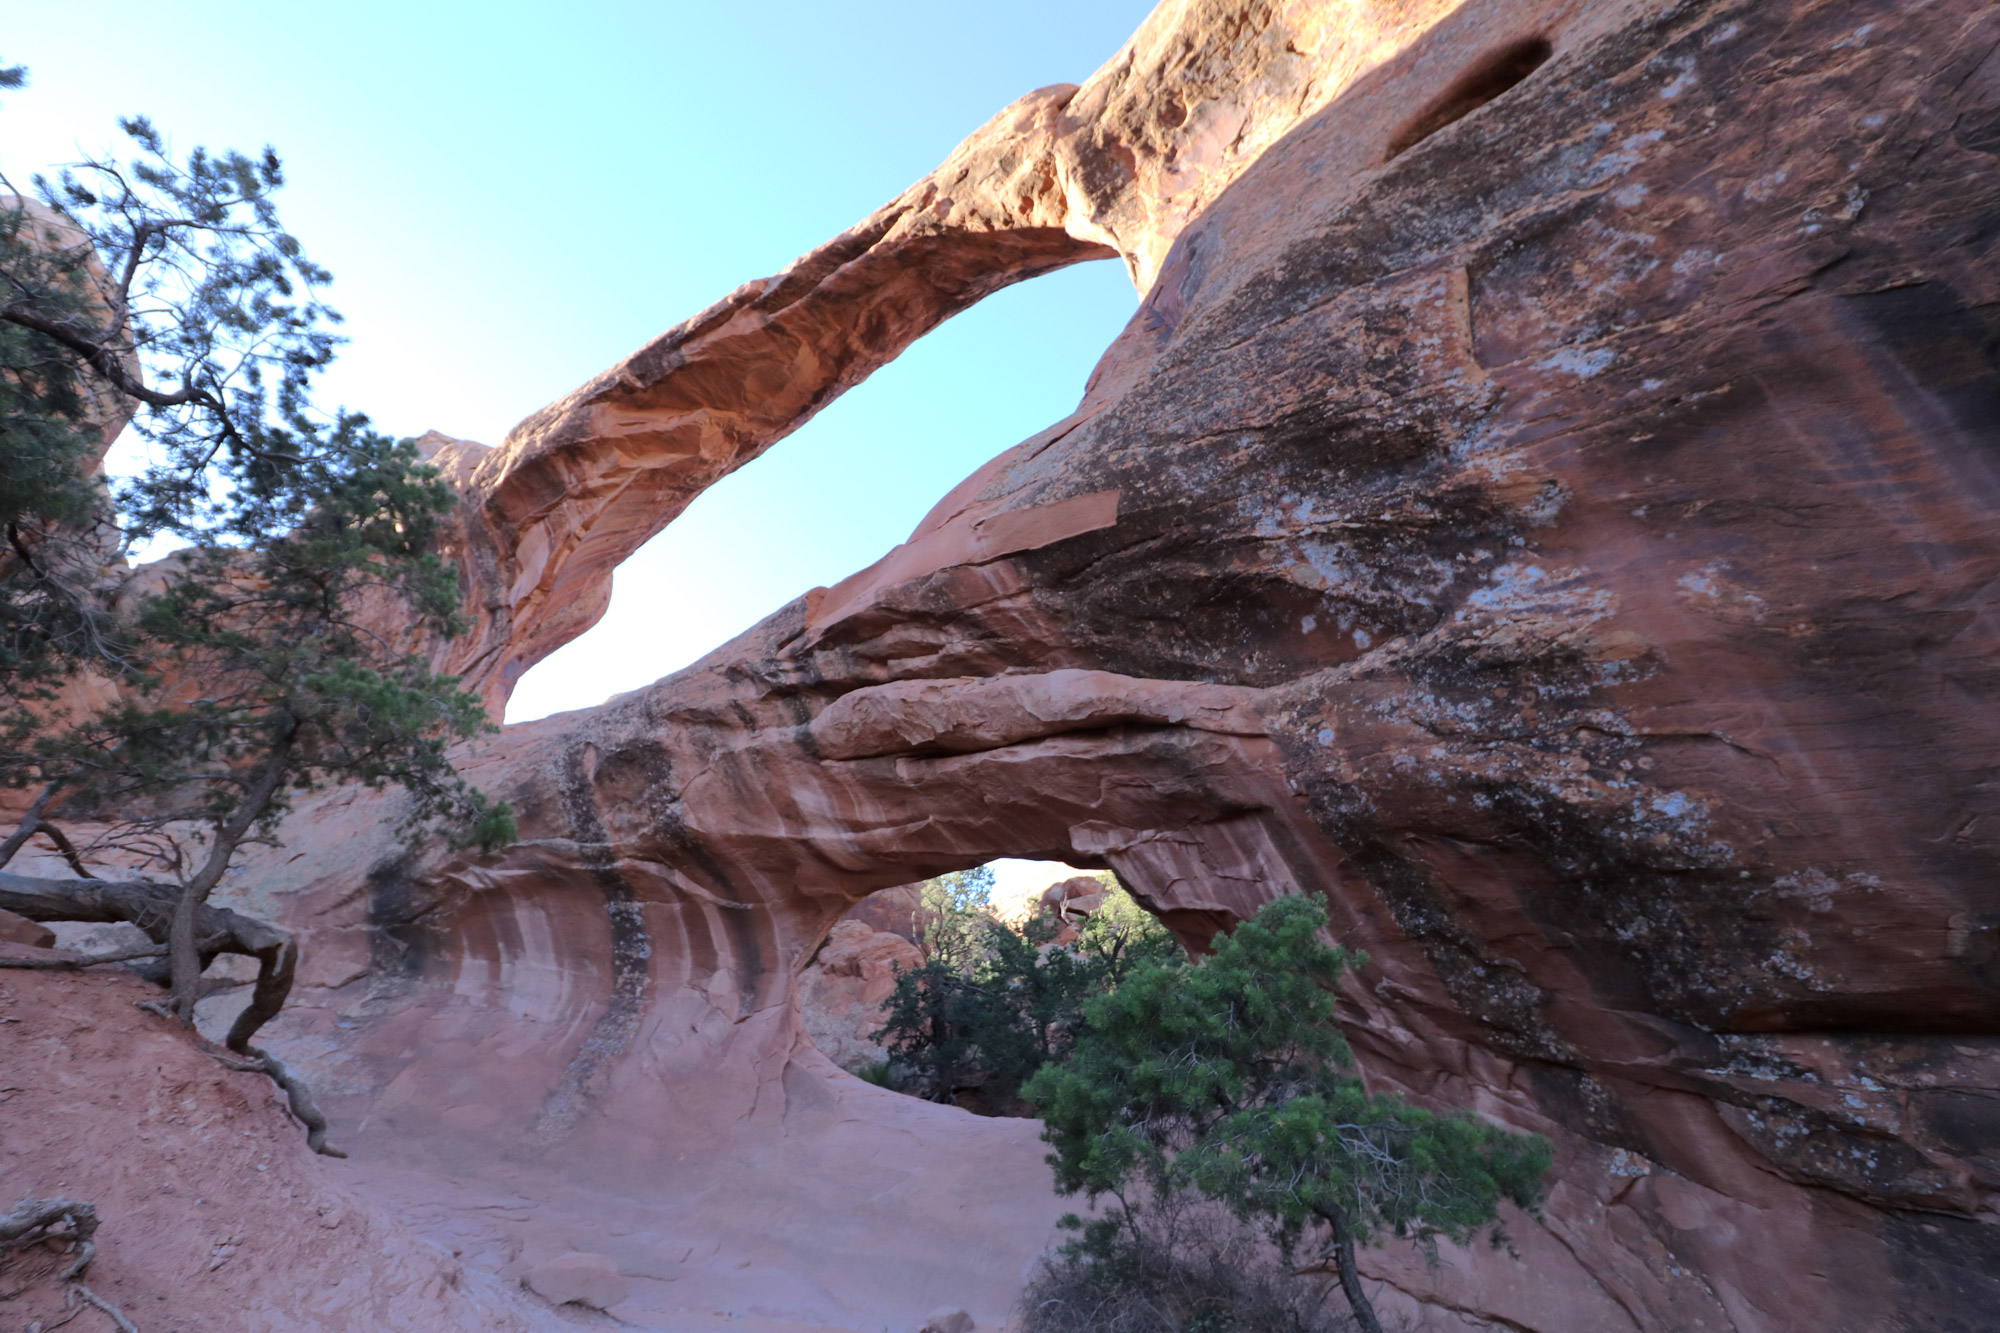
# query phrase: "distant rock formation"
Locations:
[[1544, 504], [842, 991], [1071, 902]]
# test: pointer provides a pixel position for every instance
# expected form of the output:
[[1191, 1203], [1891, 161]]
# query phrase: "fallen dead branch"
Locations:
[[75, 964], [150, 907]]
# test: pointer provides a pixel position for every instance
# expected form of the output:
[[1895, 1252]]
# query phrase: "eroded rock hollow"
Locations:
[[1544, 504]]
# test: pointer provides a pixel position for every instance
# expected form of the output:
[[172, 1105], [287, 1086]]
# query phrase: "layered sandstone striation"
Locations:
[[1542, 505]]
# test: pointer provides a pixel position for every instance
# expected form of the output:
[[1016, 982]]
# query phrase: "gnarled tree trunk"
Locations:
[[151, 907]]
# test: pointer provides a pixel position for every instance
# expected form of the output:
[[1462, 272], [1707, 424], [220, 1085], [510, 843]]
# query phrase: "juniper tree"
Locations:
[[1120, 936], [1231, 1079], [952, 913], [270, 670], [166, 289], [288, 643]]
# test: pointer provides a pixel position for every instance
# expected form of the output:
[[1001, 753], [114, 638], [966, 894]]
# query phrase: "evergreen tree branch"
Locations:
[[105, 360]]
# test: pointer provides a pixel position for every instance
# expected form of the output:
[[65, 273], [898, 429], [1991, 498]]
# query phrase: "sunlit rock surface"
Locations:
[[1561, 535]]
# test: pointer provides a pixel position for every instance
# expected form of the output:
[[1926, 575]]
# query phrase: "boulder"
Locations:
[[16, 929], [1075, 898], [892, 910], [841, 993]]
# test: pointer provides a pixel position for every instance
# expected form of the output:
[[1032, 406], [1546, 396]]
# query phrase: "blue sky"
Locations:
[[514, 196]]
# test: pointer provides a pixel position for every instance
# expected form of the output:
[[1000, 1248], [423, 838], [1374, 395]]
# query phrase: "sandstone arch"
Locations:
[[1566, 546]]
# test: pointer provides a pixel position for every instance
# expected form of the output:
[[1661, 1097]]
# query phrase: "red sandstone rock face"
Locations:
[[1564, 540]]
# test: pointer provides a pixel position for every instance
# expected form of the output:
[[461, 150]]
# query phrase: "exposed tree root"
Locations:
[[88, 1297], [298, 1096], [34, 1221]]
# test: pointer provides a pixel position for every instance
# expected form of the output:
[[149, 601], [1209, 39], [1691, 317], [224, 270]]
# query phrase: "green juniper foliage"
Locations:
[[173, 284], [265, 676], [929, 1026], [936, 1005], [1231, 1079], [52, 512], [264, 657], [168, 289]]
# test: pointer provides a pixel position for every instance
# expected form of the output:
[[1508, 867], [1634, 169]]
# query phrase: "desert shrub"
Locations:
[[1180, 1267]]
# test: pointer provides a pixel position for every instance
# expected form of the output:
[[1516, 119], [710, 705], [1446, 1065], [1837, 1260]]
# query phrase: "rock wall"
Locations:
[[1543, 505]]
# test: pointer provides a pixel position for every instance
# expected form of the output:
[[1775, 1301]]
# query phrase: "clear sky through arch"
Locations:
[[514, 196]]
